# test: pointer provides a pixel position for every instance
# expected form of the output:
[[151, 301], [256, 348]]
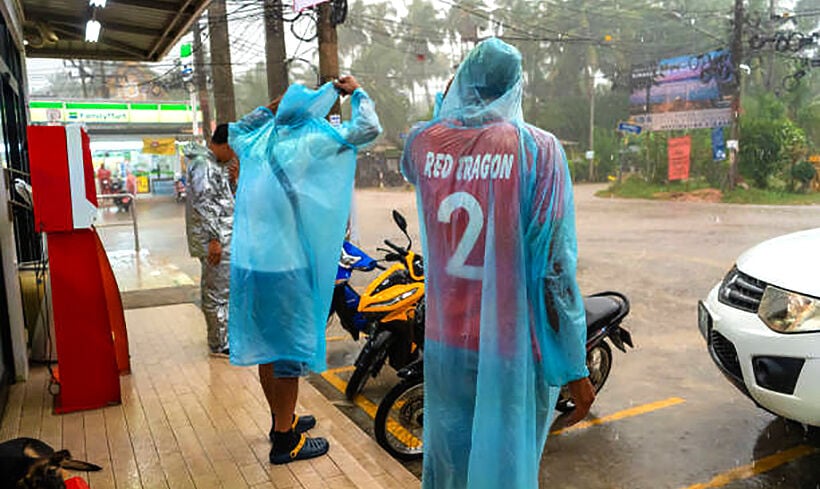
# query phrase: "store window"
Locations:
[[12, 157], [15, 155]]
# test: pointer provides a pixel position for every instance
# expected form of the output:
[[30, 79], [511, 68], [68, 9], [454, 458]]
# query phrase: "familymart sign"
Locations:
[[110, 112]]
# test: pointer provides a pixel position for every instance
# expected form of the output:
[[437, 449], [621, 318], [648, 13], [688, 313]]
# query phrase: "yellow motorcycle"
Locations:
[[393, 304]]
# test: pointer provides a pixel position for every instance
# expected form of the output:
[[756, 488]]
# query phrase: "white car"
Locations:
[[762, 325]]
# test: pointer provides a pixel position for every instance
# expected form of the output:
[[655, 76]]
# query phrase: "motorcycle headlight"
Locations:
[[394, 300], [788, 312]]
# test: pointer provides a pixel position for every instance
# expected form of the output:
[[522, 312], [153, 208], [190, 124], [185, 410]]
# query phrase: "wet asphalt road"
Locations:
[[664, 256]]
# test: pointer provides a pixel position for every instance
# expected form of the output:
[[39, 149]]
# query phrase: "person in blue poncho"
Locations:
[[292, 206], [505, 324]]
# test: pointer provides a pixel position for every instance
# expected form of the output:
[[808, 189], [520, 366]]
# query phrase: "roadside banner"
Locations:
[[718, 144], [679, 151], [164, 146]]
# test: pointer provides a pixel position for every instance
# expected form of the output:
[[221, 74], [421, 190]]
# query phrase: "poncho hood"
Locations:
[[488, 85], [300, 104]]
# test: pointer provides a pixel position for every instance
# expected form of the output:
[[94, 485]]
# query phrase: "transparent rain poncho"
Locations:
[[505, 319], [292, 206]]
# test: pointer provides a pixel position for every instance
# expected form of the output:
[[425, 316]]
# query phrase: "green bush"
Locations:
[[571, 165], [804, 172], [760, 153]]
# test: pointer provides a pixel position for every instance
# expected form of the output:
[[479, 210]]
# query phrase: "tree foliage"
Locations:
[[770, 147], [575, 51]]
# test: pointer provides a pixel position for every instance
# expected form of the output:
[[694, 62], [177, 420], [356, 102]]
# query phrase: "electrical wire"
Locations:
[[392, 30]]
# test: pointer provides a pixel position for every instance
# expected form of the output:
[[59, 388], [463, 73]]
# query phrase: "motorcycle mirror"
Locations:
[[401, 222]]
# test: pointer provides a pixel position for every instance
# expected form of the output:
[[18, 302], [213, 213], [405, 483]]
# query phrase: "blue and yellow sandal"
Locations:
[[306, 448], [300, 424]]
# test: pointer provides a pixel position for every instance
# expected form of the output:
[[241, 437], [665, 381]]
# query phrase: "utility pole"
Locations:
[[770, 63], [201, 81], [737, 59], [221, 72], [104, 93], [328, 50], [275, 54], [592, 115], [81, 70], [592, 59]]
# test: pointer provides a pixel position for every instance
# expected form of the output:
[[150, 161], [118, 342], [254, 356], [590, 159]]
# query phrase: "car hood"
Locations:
[[791, 262]]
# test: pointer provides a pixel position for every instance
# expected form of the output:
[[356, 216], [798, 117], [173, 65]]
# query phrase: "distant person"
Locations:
[[292, 205], [209, 218], [130, 183], [104, 179], [505, 325]]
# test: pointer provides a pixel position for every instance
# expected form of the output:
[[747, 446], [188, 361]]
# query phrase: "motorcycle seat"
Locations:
[[602, 310]]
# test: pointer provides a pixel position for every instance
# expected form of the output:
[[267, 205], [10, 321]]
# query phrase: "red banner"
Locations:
[[679, 151]]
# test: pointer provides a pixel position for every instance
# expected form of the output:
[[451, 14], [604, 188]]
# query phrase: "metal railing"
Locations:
[[132, 209]]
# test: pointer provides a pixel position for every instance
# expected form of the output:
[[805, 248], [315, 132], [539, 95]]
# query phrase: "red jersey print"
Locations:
[[469, 180]]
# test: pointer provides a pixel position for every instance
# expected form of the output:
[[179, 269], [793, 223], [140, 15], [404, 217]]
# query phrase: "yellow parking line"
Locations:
[[627, 413], [368, 407], [408, 438], [338, 370], [757, 467]]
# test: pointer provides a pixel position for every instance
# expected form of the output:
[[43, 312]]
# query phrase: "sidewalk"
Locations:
[[190, 421]]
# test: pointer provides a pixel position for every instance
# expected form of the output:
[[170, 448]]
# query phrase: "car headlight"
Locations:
[[788, 312]]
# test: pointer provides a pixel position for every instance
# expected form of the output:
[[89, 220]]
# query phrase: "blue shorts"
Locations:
[[288, 369]]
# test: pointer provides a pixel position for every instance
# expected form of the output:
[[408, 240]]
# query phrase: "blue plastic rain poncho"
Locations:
[[292, 205], [496, 213]]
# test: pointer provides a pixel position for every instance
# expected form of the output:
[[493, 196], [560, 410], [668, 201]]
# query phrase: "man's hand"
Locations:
[[346, 85], [274, 105], [233, 171], [214, 252], [582, 394]]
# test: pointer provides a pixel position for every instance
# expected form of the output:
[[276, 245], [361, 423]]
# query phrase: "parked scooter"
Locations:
[[390, 306], [345, 303], [403, 406], [105, 186], [604, 311], [123, 203]]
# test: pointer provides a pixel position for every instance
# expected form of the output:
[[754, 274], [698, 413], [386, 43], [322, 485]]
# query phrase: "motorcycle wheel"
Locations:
[[400, 420], [370, 362], [599, 363]]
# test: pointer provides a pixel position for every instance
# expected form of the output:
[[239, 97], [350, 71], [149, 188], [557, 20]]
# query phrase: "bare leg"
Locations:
[[266, 379], [288, 443], [281, 395], [285, 392]]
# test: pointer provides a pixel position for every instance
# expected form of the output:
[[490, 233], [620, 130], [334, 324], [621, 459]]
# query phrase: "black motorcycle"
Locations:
[[400, 417], [122, 201]]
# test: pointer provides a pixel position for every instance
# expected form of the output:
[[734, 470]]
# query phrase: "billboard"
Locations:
[[686, 92]]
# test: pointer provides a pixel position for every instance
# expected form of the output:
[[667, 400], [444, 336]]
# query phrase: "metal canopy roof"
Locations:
[[132, 30]]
